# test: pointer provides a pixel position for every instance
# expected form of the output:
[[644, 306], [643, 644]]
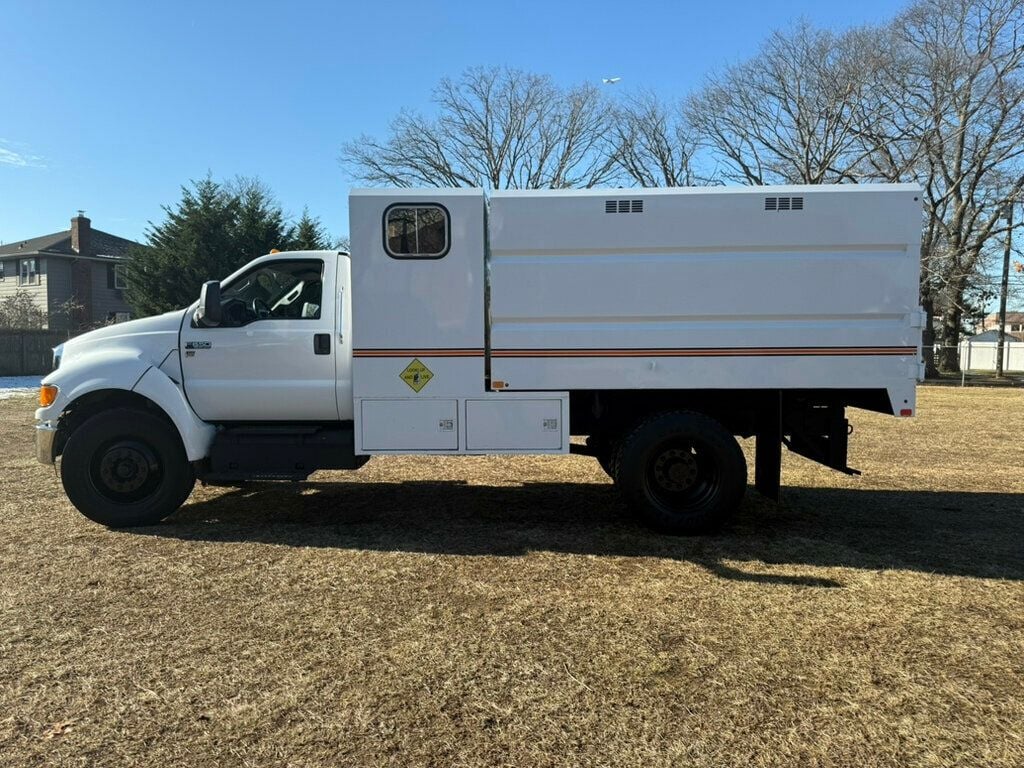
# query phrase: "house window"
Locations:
[[2, 264], [416, 231], [28, 272], [116, 277]]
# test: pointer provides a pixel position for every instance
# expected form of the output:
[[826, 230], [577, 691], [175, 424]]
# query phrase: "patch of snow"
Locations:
[[15, 386]]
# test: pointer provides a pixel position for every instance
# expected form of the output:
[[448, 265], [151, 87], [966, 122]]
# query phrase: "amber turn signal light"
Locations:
[[47, 394]]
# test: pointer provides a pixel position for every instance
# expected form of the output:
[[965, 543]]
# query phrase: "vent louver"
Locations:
[[623, 206], [783, 203]]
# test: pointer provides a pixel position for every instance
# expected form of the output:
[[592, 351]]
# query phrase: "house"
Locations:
[[980, 352], [80, 269], [993, 335], [1014, 322]]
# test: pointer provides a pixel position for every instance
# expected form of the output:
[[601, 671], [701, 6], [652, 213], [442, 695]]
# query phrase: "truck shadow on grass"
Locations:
[[953, 533]]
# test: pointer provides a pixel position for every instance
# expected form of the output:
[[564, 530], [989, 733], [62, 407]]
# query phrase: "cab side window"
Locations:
[[416, 231], [274, 290]]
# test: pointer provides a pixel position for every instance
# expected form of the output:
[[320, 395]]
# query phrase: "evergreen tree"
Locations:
[[194, 243], [260, 225], [212, 231], [310, 234]]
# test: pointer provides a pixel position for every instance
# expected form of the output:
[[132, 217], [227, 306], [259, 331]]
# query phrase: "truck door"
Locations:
[[272, 358]]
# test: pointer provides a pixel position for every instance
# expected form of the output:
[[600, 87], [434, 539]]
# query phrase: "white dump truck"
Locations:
[[660, 324]]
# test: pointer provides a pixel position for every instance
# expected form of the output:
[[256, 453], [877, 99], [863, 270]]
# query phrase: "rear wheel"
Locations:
[[681, 472], [126, 467]]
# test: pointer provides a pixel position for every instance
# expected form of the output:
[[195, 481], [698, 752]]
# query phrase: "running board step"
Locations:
[[278, 452]]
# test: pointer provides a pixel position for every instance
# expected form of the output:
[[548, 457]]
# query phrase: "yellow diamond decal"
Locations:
[[416, 375]]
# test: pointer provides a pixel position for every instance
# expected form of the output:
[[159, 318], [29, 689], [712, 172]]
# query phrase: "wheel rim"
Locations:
[[682, 475], [126, 471]]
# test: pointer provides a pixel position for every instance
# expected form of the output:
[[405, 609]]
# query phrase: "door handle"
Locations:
[[321, 343]]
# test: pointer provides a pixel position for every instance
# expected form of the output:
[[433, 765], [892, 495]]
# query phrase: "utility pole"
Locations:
[[1008, 215]]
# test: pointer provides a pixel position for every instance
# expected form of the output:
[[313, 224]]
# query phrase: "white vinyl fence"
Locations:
[[981, 355]]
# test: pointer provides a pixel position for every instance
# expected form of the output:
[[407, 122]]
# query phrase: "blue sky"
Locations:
[[112, 106]]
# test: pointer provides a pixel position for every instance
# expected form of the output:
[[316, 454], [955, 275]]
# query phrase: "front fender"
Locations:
[[196, 434], [126, 370], [102, 369]]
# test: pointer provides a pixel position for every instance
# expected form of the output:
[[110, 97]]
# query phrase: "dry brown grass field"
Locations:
[[507, 612]]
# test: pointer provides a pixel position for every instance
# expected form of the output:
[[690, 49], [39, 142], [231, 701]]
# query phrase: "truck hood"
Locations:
[[149, 337]]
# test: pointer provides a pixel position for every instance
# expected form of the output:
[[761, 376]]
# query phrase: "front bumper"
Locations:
[[46, 436]]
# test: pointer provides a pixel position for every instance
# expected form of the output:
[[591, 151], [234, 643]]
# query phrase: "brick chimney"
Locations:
[[80, 234], [81, 270]]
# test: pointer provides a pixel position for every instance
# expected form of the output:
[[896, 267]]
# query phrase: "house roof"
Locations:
[[44, 243], [993, 335], [101, 244], [1011, 317]]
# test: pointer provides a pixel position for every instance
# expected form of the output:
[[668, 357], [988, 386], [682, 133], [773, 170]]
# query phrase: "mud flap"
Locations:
[[819, 432], [768, 451]]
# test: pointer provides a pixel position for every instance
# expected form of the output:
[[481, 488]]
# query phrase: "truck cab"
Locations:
[[279, 350], [660, 326]]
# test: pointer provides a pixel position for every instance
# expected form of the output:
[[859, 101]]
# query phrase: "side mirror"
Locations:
[[208, 312]]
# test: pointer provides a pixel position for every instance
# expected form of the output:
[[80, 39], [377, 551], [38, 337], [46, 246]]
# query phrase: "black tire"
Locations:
[[126, 467], [681, 473]]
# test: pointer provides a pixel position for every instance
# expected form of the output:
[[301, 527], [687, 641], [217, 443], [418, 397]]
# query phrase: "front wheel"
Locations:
[[126, 467], [681, 472]]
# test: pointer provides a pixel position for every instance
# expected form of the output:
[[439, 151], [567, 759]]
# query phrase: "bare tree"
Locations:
[[787, 114], [19, 310], [948, 112], [72, 310], [654, 146], [495, 128]]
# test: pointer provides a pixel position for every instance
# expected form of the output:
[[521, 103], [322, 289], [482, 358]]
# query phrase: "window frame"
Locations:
[[417, 256], [120, 278], [224, 286], [3, 270], [33, 277]]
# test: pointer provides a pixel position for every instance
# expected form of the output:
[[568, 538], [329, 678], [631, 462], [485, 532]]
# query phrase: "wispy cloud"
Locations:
[[16, 154]]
